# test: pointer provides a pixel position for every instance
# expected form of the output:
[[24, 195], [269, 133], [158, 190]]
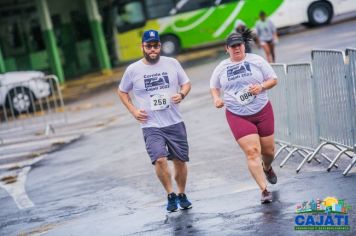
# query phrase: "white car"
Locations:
[[20, 90]]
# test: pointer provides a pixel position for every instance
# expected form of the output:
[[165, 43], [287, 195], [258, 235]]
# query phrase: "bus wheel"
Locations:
[[319, 13], [170, 45]]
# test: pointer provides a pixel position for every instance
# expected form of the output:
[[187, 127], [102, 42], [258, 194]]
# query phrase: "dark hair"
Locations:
[[247, 35], [262, 13]]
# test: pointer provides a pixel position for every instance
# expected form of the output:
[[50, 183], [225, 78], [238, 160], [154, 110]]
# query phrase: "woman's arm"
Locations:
[[215, 93], [258, 88]]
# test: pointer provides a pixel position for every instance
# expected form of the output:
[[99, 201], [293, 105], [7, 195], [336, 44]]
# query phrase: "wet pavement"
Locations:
[[104, 184]]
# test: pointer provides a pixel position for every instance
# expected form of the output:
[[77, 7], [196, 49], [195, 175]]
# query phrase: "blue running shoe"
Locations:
[[172, 202], [183, 201]]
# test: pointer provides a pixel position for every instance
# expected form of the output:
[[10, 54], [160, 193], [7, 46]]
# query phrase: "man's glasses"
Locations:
[[149, 46]]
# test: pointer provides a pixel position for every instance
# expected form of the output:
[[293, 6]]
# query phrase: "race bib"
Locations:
[[244, 97], [159, 102]]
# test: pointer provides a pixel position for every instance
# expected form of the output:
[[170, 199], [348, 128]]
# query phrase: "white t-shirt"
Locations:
[[153, 86], [265, 30], [234, 78]]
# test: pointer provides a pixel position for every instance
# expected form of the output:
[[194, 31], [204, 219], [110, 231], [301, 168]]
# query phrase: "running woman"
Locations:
[[159, 84], [267, 36], [244, 79]]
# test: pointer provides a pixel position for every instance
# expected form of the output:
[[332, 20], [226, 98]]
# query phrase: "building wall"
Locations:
[[22, 43]]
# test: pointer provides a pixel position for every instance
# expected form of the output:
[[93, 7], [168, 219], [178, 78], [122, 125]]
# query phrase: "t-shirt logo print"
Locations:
[[155, 83], [238, 71]]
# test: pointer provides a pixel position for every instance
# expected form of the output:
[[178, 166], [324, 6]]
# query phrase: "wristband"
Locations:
[[183, 96]]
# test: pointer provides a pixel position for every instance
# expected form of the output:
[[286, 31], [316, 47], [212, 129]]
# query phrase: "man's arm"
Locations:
[[184, 90], [125, 98]]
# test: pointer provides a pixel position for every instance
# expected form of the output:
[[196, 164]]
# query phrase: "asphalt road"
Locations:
[[104, 184]]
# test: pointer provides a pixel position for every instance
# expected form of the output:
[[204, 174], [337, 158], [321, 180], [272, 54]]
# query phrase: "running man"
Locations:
[[159, 84], [244, 78]]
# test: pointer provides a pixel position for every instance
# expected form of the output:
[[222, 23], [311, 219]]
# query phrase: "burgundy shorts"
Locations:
[[261, 123]]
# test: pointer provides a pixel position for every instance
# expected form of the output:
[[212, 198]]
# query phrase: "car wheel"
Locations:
[[170, 45], [20, 100], [319, 13]]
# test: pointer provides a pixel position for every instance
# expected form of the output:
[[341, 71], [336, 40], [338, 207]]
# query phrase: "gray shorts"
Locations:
[[170, 142]]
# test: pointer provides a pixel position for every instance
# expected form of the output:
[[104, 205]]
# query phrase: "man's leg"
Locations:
[[164, 174], [180, 174], [250, 144]]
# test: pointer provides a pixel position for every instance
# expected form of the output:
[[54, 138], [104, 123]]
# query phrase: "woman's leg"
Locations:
[[251, 146], [267, 50], [267, 150], [271, 49]]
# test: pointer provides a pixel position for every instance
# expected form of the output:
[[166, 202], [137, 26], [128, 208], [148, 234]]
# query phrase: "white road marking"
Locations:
[[17, 189], [16, 185]]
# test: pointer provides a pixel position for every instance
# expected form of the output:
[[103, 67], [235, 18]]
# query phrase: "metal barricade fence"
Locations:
[[351, 78], [316, 108], [302, 115], [278, 99], [31, 104], [332, 102]]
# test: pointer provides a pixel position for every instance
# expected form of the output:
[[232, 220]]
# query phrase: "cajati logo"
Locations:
[[328, 214]]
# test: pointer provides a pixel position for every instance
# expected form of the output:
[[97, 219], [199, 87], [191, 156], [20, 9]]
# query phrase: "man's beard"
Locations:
[[151, 60]]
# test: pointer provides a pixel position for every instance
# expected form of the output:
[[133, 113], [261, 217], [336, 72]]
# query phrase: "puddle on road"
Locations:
[[13, 168], [8, 179], [40, 230]]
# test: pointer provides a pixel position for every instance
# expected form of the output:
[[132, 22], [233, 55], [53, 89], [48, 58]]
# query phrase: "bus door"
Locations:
[[129, 22]]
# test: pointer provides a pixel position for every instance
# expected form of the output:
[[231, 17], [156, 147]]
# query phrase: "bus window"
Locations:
[[217, 2], [130, 15], [159, 8], [190, 5]]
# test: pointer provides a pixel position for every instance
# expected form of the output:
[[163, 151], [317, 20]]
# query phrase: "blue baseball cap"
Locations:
[[234, 38], [150, 36]]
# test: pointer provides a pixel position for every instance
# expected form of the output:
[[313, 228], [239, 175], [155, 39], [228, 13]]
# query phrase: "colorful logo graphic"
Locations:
[[156, 81], [238, 71], [328, 214]]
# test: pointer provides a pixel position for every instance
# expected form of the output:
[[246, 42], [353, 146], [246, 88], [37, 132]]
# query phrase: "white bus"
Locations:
[[310, 12], [185, 24]]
